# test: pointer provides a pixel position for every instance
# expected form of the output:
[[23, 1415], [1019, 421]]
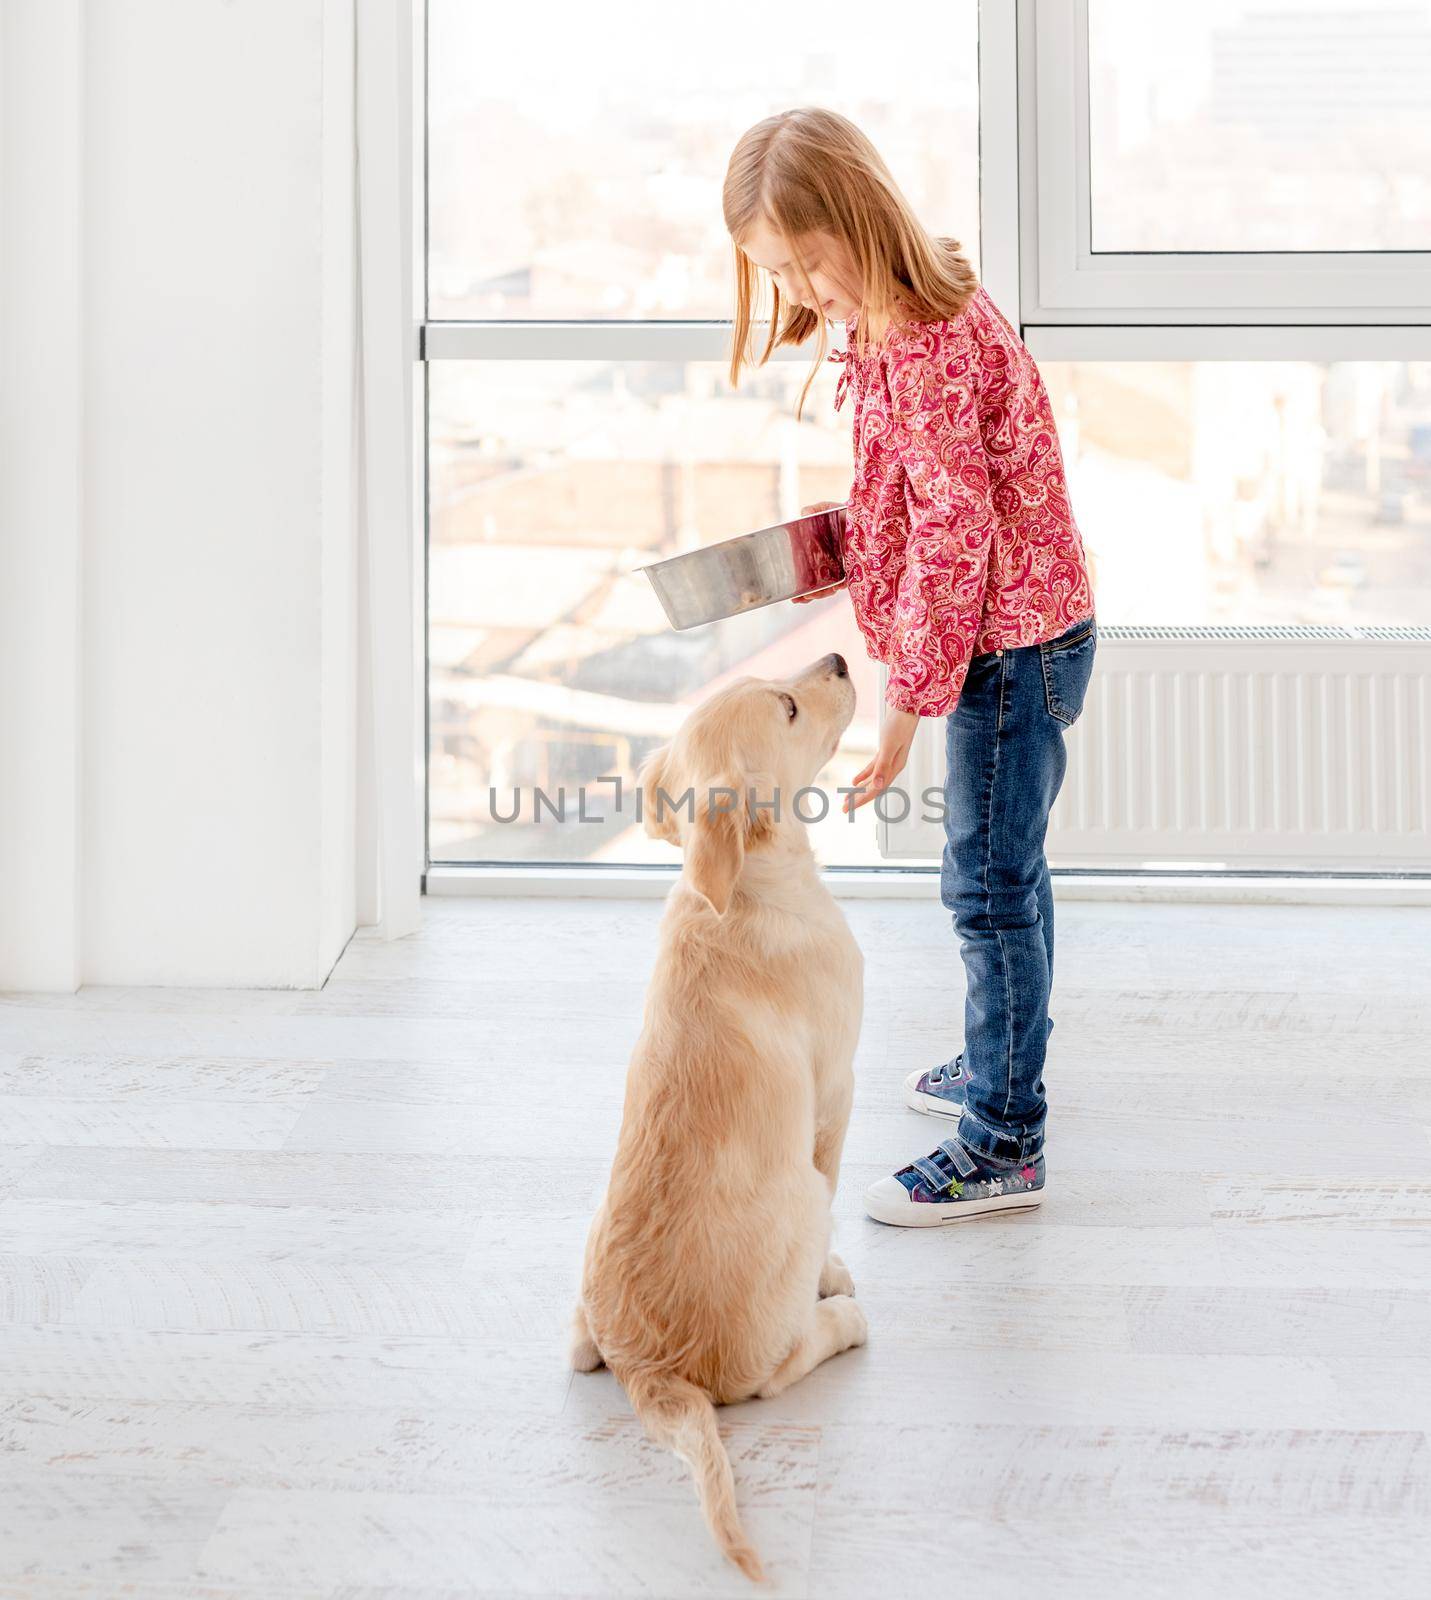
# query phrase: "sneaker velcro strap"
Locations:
[[964, 1163], [934, 1179]]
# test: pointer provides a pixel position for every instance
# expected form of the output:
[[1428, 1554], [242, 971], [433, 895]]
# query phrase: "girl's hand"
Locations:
[[818, 594], [834, 588], [896, 737]]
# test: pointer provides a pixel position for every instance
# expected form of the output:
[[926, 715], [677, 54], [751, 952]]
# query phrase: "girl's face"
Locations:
[[835, 297]]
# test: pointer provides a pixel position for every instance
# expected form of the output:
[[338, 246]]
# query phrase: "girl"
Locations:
[[967, 576]]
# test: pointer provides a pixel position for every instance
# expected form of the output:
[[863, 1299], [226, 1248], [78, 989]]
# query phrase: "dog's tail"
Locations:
[[680, 1416]]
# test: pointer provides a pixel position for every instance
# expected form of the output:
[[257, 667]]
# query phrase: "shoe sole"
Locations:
[[932, 1106], [932, 1214]]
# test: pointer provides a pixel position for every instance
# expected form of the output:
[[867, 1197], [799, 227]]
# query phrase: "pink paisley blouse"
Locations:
[[960, 539]]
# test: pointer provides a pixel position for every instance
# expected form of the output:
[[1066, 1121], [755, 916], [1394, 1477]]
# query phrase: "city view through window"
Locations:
[[1259, 125]]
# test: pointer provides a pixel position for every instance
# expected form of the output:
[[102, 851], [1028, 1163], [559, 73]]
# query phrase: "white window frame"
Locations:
[[1064, 280]]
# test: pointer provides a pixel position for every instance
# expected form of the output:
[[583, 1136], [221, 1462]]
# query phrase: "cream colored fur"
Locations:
[[708, 1275]]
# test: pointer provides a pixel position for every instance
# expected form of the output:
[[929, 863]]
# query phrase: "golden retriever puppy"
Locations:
[[708, 1275]]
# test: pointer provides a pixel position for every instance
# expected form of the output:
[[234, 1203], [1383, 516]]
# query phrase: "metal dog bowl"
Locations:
[[751, 570]]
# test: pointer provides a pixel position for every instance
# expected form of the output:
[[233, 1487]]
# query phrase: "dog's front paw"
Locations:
[[835, 1278]]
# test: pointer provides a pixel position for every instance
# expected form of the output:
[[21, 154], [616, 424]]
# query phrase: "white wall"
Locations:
[[41, 503], [217, 660]]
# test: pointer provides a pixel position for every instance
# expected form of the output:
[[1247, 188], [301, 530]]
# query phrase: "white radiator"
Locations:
[[1261, 748]]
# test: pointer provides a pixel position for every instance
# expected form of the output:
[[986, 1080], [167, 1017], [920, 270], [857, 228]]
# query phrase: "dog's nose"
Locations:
[[837, 664]]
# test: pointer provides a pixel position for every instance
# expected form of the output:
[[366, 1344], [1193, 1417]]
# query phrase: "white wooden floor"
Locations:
[[284, 1280]]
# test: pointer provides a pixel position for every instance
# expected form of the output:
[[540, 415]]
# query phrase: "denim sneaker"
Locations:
[[952, 1183], [939, 1092]]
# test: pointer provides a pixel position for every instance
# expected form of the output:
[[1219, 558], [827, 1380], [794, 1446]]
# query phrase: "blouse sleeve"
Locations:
[[951, 519]]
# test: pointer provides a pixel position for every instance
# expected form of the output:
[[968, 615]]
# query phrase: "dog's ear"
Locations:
[[658, 816], [732, 818], [716, 846]]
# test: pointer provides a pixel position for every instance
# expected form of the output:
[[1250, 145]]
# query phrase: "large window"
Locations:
[[568, 205], [1211, 225]]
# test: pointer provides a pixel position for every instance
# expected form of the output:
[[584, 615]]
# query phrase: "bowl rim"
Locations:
[[740, 538]]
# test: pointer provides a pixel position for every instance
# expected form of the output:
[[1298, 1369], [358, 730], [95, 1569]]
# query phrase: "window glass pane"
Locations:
[[576, 153], [1251, 492], [552, 663], [1260, 125]]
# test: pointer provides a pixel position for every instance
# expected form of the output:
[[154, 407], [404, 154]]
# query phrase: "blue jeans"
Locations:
[[1006, 763]]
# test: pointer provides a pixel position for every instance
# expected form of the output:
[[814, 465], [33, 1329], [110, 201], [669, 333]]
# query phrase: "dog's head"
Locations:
[[727, 782]]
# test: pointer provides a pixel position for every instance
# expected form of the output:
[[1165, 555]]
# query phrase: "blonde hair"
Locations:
[[811, 170]]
